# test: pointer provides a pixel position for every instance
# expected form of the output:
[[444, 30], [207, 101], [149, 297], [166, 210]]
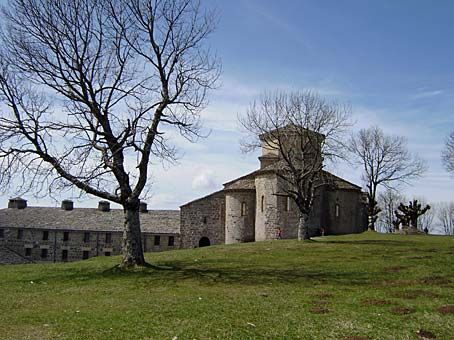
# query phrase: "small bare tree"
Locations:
[[389, 200], [445, 216], [447, 155], [425, 221], [90, 90], [386, 162], [302, 130]]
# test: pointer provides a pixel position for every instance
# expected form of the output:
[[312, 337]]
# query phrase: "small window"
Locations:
[[107, 253], [45, 235], [85, 254], [66, 236], [108, 237], [20, 234], [28, 252], [337, 210], [157, 240], [287, 204], [204, 220], [86, 237], [64, 255], [262, 204], [2, 233], [171, 241], [243, 209], [44, 253]]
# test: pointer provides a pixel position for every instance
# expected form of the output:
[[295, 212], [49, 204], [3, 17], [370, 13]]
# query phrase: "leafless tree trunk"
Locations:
[[302, 130], [386, 162], [425, 221], [448, 153], [445, 216], [91, 89], [389, 200]]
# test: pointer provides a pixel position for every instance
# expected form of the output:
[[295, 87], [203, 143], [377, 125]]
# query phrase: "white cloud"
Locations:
[[204, 180]]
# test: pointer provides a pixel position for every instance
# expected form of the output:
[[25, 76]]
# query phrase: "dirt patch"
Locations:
[[414, 294], [376, 302], [423, 334], [436, 280], [323, 295], [319, 310], [402, 310], [395, 269], [449, 309]]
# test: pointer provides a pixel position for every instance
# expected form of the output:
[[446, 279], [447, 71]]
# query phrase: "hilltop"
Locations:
[[367, 286]]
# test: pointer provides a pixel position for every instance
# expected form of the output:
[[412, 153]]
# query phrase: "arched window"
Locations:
[[243, 209], [336, 210], [262, 204]]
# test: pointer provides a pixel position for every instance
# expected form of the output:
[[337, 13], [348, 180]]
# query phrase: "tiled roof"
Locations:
[[154, 221], [246, 182]]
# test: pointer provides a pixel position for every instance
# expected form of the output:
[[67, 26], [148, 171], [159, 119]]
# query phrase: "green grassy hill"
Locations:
[[367, 286]]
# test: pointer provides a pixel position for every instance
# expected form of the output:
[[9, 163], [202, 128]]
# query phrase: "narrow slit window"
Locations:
[[243, 209], [262, 204], [287, 204], [337, 210]]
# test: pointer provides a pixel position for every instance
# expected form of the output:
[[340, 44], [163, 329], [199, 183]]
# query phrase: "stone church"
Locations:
[[249, 209]]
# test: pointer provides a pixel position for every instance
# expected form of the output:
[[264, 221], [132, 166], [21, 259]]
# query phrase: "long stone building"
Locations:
[[249, 208], [43, 234]]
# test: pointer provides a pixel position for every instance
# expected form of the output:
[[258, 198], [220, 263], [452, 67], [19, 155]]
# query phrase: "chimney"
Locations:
[[104, 206], [67, 205], [143, 207], [17, 203]]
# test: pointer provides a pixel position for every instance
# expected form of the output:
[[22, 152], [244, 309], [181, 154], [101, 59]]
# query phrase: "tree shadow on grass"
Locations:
[[223, 272]]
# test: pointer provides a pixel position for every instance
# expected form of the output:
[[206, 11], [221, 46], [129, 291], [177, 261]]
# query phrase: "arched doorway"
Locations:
[[204, 242]]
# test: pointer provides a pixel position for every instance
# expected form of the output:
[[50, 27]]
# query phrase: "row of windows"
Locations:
[[64, 254], [170, 241], [108, 237], [20, 236]]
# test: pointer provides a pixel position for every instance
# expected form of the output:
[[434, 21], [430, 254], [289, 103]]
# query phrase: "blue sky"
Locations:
[[391, 60]]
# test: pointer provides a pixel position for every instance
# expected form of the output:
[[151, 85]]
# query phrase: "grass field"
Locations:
[[367, 286]]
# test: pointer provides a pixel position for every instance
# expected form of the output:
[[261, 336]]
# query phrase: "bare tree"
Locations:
[[447, 155], [445, 216], [389, 200], [386, 162], [425, 221], [302, 130], [91, 89]]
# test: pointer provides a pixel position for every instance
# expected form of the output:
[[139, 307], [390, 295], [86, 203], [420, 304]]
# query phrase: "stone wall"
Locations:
[[266, 221], [240, 216], [203, 218], [350, 217], [78, 245]]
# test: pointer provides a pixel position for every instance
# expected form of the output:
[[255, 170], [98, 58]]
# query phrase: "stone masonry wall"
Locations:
[[76, 247], [240, 225], [351, 213], [266, 221], [204, 217]]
